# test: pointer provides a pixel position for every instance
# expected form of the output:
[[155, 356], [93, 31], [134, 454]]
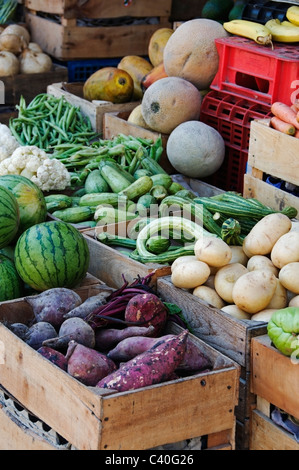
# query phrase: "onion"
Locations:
[[12, 43], [33, 46], [19, 31], [34, 62], [9, 64]]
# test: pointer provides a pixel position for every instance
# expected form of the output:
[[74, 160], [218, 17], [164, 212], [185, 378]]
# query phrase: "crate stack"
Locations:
[[250, 78], [90, 35]]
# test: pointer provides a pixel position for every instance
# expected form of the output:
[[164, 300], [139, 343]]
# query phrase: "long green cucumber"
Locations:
[[140, 187], [97, 199], [116, 181], [75, 214], [151, 165]]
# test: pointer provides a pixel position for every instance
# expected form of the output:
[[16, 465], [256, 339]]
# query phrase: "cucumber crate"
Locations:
[[68, 30]]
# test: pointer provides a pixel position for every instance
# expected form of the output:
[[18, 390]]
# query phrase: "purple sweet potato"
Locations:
[[87, 365], [106, 338], [54, 356], [75, 329], [38, 333], [148, 309], [154, 366], [194, 359], [89, 305], [131, 347], [51, 305]]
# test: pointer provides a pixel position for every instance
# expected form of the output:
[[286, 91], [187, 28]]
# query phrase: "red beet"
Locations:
[[148, 309], [54, 356], [106, 338], [87, 365], [72, 329], [38, 333], [154, 366], [89, 305]]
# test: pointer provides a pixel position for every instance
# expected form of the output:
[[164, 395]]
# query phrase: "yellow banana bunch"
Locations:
[[293, 15], [284, 31], [250, 30]]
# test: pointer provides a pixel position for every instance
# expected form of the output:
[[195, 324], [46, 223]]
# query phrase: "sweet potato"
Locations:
[[51, 305], [154, 366], [75, 329], [148, 309], [54, 356], [106, 338], [88, 306], [129, 348], [87, 365], [38, 333]]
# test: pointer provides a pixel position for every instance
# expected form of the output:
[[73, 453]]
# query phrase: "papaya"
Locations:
[[155, 74], [137, 67], [136, 118], [157, 44], [109, 84]]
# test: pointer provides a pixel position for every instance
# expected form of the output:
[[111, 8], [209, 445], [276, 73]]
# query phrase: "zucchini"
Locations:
[[141, 172], [115, 240], [97, 199], [110, 215], [75, 214], [151, 165], [159, 192], [140, 187], [116, 181], [146, 201], [231, 232], [121, 170], [162, 180], [95, 183], [175, 188], [57, 201], [157, 244]]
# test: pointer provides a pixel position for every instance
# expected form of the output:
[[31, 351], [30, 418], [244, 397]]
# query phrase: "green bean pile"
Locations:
[[7, 10], [48, 122]]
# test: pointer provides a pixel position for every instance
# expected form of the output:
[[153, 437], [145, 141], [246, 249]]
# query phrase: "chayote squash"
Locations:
[[283, 330]]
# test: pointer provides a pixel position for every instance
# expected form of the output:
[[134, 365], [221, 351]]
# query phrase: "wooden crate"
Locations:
[[6, 113], [117, 123], [96, 419], [95, 110], [30, 85], [271, 153], [66, 38], [275, 382]]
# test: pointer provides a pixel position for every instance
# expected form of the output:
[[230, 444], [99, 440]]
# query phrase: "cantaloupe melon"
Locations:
[[195, 149], [169, 102], [157, 45], [191, 52]]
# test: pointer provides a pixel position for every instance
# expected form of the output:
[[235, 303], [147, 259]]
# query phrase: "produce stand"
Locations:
[[275, 382]]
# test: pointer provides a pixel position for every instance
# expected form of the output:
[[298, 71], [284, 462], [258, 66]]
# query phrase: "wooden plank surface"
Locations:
[[222, 331], [275, 377], [265, 435]]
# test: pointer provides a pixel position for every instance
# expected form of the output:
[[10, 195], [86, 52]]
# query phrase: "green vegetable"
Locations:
[[97, 199], [116, 181], [283, 330], [140, 187], [159, 192], [74, 214], [231, 232], [95, 183], [157, 245], [7, 10], [110, 215], [115, 240], [153, 166], [162, 180]]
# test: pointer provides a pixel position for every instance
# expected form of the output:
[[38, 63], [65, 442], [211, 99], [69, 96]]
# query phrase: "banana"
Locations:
[[249, 29], [293, 15], [284, 31]]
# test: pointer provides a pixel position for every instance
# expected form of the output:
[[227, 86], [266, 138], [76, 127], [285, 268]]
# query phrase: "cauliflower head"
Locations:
[[8, 143], [52, 175], [24, 161]]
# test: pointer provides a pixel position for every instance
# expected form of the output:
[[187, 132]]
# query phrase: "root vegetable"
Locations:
[[87, 365], [54, 356], [254, 290], [34, 62], [88, 306], [9, 64], [19, 329], [72, 329], [154, 366], [106, 338], [190, 274], [213, 251], [225, 279], [38, 333], [51, 305], [148, 309], [236, 312], [286, 249], [209, 295], [238, 255], [288, 276], [261, 262]]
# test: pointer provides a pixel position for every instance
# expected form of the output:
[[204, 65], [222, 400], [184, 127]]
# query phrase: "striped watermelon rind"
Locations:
[[11, 285], [52, 254], [9, 216], [30, 198]]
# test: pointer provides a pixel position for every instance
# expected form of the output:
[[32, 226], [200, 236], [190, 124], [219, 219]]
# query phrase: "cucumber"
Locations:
[[140, 187], [162, 180], [157, 244], [141, 172], [75, 214], [111, 215], [151, 165], [57, 201], [97, 199], [116, 181], [159, 192], [95, 183]]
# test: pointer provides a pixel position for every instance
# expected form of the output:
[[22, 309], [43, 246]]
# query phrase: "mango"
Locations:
[[137, 67], [109, 84]]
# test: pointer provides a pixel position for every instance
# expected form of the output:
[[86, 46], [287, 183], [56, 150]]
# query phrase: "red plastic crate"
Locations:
[[231, 116], [257, 72]]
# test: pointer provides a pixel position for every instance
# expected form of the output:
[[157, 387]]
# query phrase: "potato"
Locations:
[[238, 255], [254, 290], [261, 262], [190, 274], [289, 275], [280, 297], [294, 302], [286, 250], [182, 259], [225, 279], [265, 315], [265, 234], [209, 295], [236, 312], [210, 281], [213, 251]]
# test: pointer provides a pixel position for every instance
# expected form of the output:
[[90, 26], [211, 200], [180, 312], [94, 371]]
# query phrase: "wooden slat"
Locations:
[[275, 377], [265, 435]]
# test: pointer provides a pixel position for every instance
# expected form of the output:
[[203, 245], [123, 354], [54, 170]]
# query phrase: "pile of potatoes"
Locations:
[[249, 282]]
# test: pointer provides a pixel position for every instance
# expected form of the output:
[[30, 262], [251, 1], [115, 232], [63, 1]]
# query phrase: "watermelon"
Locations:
[[52, 254], [9, 216], [31, 200], [11, 285]]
